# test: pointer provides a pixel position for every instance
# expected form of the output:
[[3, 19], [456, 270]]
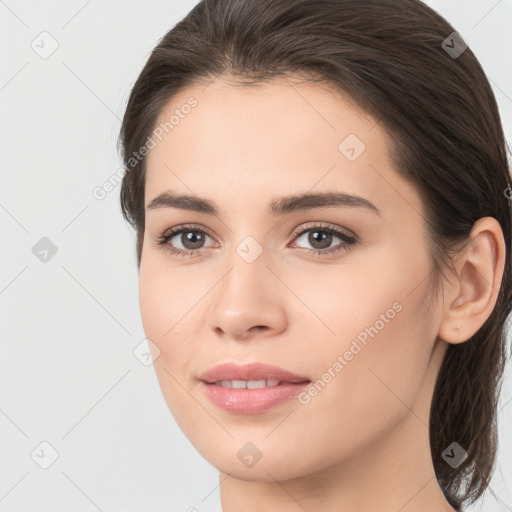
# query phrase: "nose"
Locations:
[[249, 301], [243, 333]]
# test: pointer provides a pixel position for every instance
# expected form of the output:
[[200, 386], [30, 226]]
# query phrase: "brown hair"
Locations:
[[446, 139]]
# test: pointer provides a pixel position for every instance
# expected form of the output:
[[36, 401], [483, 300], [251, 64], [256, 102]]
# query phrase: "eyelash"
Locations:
[[348, 239]]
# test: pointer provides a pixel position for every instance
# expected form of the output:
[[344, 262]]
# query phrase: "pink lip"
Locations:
[[250, 371], [250, 401]]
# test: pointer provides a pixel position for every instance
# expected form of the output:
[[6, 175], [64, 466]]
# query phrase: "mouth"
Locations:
[[252, 388], [252, 384]]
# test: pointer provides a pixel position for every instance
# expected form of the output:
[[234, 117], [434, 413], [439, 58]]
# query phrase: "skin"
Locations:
[[361, 443]]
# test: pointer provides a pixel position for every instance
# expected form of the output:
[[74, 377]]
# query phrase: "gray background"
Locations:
[[69, 326]]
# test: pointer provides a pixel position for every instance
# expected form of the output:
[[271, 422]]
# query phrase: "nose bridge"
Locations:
[[247, 237], [246, 297], [252, 241], [248, 267]]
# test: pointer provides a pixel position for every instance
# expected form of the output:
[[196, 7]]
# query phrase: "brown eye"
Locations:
[[321, 237], [184, 241], [191, 239]]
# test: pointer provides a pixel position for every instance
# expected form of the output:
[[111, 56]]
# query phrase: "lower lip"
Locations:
[[251, 401]]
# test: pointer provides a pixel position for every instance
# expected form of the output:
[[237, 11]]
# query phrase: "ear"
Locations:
[[472, 297]]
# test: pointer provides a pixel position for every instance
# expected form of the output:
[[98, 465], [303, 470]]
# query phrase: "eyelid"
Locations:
[[300, 230], [184, 227]]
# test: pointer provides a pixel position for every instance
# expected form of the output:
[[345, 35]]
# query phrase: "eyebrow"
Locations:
[[278, 206]]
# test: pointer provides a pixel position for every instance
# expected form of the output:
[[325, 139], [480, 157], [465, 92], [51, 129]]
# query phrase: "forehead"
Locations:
[[279, 136], [277, 114]]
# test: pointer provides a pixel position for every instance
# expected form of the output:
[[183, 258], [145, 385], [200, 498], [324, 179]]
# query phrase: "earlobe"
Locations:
[[473, 294]]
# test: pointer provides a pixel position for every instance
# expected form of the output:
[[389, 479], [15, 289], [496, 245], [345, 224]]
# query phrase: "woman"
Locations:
[[319, 191]]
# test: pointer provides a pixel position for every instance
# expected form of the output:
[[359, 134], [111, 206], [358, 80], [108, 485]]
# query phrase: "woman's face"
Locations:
[[346, 311]]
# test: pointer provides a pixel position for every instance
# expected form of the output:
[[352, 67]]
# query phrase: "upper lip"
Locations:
[[249, 371]]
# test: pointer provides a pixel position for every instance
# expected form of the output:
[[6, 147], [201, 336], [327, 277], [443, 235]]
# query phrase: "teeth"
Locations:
[[249, 384]]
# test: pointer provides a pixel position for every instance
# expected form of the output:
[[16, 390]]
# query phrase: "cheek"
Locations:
[[166, 299], [379, 302], [385, 361], [167, 303], [380, 350], [154, 308], [371, 391], [161, 308]]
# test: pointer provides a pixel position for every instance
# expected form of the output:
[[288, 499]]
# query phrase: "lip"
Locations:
[[250, 371], [250, 401]]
